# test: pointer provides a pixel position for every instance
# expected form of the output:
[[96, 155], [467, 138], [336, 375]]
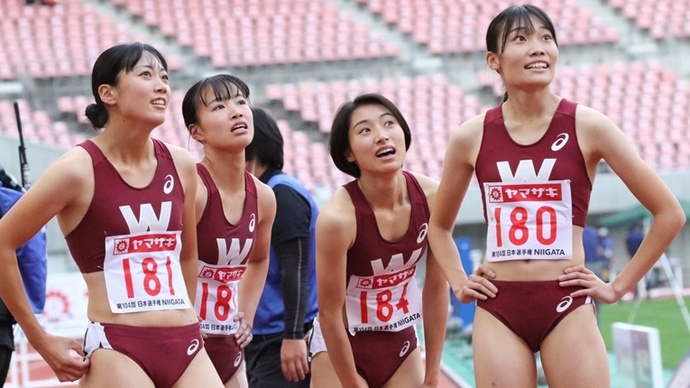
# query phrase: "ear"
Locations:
[[348, 156], [493, 61], [196, 132], [108, 94]]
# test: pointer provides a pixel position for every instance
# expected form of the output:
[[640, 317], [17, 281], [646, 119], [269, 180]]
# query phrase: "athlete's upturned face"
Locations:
[[528, 58], [225, 122], [142, 95], [377, 141]]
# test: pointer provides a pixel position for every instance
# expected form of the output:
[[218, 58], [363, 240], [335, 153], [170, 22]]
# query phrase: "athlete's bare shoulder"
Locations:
[[597, 133], [185, 164], [73, 168], [180, 155], [589, 119], [339, 212], [336, 225], [428, 184], [465, 141], [470, 128], [267, 197]]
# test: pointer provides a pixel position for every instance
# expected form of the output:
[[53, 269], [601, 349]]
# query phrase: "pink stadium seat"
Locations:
[[661, 19], [413, 95], [298, 32]]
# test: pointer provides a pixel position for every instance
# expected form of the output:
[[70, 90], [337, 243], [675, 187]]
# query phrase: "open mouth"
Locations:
[[385, 152], [537, 65], [239, 126]]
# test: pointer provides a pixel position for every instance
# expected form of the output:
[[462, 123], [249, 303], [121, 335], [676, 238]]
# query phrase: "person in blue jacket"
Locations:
[[277, 356], [32, 261]]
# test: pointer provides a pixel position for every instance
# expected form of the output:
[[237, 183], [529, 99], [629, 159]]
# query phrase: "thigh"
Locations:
[[409, 374], [501, 358], [110, 368], [239, 379], [200, 373], [322, 372], [574, 353]]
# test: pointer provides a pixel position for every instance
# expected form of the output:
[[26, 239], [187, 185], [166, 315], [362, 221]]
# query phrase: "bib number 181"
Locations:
[[151, 281]]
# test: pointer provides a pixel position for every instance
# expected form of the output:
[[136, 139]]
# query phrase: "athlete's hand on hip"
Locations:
[[478, 286], [59, 353], [293, 359], [244, 335], [579, 275]]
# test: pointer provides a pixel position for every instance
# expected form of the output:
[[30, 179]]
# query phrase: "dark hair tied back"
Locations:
[[97, 115]]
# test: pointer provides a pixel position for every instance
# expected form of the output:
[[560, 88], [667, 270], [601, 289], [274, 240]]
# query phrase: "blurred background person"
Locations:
[[277, 356]]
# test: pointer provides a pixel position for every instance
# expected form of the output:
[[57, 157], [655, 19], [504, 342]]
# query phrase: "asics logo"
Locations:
[[238, 359], [193, 346], [405, 348], [422, 232], [566, 301], [252, 222], [560, 142], [169, 184]]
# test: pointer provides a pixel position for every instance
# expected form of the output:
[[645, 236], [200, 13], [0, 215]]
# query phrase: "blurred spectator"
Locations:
[[604, 253], [41, 2], [632, 243], [598, 247], [33, 268]]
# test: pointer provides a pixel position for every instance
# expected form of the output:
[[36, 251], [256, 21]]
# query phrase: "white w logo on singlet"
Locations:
[[225, 255], [525, 171], [148, 220], [397, 262]]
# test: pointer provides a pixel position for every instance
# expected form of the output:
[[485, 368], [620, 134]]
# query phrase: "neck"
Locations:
[[526, 104], [128, 147], [226, 169], [383, 191]]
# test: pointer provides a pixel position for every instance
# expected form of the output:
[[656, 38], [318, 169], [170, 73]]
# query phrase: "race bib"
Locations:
[[532, 220], [387, 302], [142, 272], [216, 297]]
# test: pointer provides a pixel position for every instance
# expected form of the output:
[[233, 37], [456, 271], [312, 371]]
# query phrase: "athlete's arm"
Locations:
[[600, 139], [186, 170], [435, 302], [63, 188], [335, 230], [291, 241], [457, 175], [252, 283]]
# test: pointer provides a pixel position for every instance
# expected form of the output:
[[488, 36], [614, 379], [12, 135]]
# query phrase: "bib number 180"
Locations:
[[518, 232]]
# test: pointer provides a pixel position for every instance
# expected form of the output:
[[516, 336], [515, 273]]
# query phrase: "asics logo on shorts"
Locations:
[[566, 301], [193, 346], [169, 184], [560, 142], [238, 359], [422, 232], [405, 348]]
